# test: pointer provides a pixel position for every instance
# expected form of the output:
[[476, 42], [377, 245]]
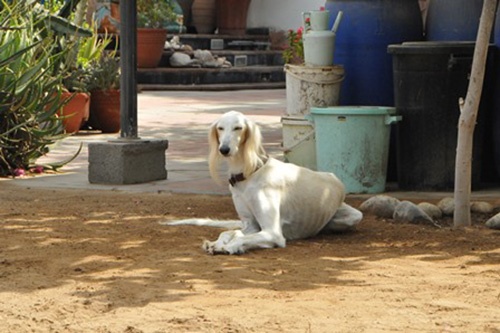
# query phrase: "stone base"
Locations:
[[127, 161]]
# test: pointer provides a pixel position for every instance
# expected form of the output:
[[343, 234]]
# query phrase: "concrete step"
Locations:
[[213, 87], [201, 76], [255, 66], [238, 58], [220, 42]]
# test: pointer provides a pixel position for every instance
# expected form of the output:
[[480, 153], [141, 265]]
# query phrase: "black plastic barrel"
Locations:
[[429, 79], [367, 28], [453, 20], [495, 128]]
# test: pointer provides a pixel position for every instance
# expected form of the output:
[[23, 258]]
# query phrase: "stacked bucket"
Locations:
[[316, 83], [351, 140]]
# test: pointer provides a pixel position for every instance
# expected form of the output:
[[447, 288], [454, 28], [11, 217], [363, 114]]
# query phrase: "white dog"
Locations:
[[275, 201]]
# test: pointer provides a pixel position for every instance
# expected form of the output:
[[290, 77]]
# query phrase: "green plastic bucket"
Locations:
[[353, 143]]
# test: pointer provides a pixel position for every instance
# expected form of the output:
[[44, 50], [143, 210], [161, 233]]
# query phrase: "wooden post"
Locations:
[[468, 114]]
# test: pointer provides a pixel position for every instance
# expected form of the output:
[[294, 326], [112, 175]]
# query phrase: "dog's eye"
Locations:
[[220, 128], [238, 128]]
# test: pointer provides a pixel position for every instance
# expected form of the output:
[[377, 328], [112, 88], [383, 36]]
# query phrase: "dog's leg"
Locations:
[[219, 245], [345, 218], [263, 229], [235, 242]]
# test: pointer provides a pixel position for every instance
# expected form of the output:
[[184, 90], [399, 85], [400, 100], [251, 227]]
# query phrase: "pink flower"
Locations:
[[308, 20], [19, 172], [322, 8], [37, 169]]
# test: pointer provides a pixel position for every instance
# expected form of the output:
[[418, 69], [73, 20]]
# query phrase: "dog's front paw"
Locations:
[[213, 248]]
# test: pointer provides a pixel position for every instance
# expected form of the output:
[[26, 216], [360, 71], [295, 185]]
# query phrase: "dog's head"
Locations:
[[235, 137], [230, 133]]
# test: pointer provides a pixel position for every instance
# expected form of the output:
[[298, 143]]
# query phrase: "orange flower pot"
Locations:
[[105, 110], [150, 44], [75, 112]]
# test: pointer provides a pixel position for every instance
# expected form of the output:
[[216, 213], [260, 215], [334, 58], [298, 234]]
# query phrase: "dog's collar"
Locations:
[[240, 177], [236, 178]]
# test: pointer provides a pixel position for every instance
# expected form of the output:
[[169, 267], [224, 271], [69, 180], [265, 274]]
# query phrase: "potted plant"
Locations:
[[294, 52], [75, 97], [76, 100], [152, 17], [104, 86]]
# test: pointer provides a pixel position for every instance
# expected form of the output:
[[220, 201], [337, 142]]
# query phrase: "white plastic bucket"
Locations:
[[319, 48], [308, 87], [299, 142]]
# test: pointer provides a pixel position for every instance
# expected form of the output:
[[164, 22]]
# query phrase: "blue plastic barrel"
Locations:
[[453, 20], [367, 28]]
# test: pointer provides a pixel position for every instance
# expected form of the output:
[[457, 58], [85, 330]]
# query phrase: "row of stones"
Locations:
[[385, 206]]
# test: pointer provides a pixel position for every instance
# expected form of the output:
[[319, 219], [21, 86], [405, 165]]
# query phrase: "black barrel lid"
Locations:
[[432, 47]]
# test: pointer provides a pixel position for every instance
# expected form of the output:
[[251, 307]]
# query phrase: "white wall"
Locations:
[[279, 14]]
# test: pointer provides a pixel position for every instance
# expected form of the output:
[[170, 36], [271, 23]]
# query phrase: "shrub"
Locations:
[[29, 85]]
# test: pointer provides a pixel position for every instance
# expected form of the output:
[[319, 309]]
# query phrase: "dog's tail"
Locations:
[[228, 224]]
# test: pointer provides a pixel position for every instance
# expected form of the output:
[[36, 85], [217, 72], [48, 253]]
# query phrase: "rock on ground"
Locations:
[[481, 207], [494, 222], [432, 210], [380, 205], [407, 211], [447, 206]]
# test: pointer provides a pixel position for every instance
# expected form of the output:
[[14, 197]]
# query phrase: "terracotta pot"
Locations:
[[76, 111], [232, 16], [115, 11], [105, 110], [203, 16], [150, 44]]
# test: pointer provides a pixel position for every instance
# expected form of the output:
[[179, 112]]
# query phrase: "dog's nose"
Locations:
[[224, 150]]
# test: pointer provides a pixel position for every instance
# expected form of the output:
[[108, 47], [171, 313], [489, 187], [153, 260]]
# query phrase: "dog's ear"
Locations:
[[213, 135], [251, 146], [213, 148], [252, 138]]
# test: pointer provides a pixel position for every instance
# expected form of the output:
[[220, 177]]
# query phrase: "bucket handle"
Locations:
[[316, 81], [389, 120]]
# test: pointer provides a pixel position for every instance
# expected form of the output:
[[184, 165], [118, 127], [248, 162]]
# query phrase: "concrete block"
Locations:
[[125, 161]]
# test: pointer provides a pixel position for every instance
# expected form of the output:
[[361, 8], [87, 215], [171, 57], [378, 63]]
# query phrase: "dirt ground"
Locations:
[[73, 261]]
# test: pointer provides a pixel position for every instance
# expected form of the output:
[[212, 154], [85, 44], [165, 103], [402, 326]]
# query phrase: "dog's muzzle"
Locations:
[[224, 150]]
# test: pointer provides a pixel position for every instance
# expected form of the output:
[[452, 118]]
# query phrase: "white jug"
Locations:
[[316, 20]]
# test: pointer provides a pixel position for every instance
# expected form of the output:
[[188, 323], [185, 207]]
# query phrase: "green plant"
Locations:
[[78, 68], [105, 73], [28, 92], [75, 74], [154, 13], [294, 53], [31, 80]]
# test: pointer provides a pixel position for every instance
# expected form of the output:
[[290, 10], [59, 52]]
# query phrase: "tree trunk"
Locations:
[[468, 114]]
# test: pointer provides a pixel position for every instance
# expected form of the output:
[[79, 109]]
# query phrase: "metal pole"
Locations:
[[128, 63]]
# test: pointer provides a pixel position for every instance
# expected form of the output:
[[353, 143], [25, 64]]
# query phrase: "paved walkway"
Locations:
[[183, 118]]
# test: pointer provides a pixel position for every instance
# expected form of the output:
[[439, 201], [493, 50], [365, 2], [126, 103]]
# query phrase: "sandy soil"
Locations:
[[75, 261]]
